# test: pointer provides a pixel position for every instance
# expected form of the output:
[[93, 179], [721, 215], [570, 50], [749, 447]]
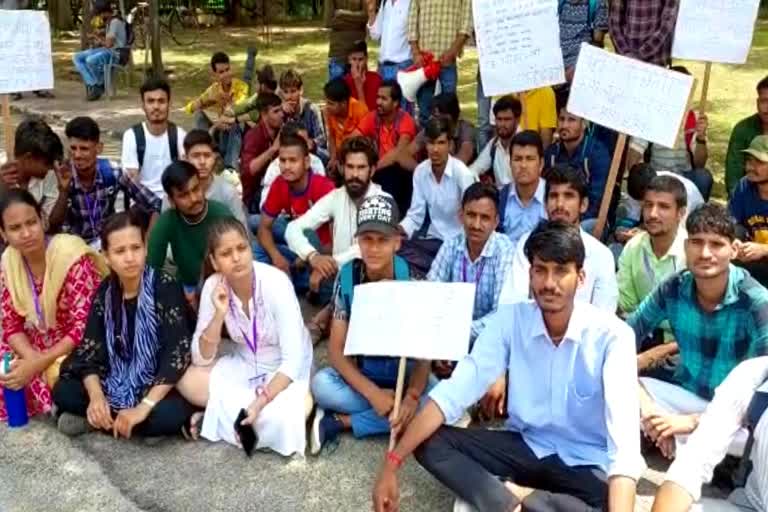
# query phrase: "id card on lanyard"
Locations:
[[42, 326], [478, 273], [252, 340]]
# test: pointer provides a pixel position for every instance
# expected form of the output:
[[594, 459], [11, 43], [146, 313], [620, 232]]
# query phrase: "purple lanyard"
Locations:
[[35, 296], [252, 343], [478, 274], [90, 206]]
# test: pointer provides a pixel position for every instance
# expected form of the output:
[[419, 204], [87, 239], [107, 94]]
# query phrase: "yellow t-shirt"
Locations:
[[239, 92], [539, 109]]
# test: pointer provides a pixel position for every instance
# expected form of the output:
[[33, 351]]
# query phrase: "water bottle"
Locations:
[[15, 401]]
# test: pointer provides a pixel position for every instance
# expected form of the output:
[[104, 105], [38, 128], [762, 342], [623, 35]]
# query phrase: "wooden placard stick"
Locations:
[[610, 184], [398, 398], [705, 89], [524, 109], [7, 127]]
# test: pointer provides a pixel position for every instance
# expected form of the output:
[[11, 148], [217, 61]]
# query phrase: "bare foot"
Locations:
[[195, 424]]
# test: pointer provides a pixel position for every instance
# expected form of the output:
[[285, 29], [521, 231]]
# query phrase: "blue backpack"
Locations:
[[350, 275]]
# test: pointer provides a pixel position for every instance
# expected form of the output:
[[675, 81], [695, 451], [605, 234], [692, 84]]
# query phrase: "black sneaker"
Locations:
[[326, 428]]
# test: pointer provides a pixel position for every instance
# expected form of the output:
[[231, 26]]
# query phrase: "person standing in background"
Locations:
[[346, 20]]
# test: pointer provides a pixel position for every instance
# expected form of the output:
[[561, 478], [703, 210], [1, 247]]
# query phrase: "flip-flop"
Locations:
[[191, 431]]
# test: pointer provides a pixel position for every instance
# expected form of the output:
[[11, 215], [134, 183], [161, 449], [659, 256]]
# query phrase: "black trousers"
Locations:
[[398, 183], [166, 419], [470, 462]]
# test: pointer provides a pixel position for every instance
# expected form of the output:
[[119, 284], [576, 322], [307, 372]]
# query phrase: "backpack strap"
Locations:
[[351, 273], [141, 143], [503, 198], [173, 141]]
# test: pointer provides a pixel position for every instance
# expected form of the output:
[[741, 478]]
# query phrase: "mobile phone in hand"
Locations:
[[246, 433]]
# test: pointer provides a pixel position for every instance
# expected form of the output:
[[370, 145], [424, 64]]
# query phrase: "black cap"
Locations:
[[378, 213]]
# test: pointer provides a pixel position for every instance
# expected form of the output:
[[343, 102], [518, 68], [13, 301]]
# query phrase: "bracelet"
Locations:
[[394, 459], [413, 394], [149, 402]]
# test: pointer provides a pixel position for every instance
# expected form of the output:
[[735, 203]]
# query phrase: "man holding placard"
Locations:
[[571, 438], [356, 393]]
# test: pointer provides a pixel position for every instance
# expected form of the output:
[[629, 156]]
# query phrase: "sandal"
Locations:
[[191, 431]]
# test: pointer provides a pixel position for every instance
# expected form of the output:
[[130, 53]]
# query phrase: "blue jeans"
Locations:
[[90, 64], [448, 80], [228, 141], [337, 68], [703, 180], [484, 127], [388, 71], [332, 393], [300, 277]]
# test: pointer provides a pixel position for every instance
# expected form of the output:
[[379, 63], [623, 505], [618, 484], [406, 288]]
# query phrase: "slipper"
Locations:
[[44, 94], [191, 431]]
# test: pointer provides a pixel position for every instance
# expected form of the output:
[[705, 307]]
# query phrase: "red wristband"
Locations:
[[394, 459], [413, 394]]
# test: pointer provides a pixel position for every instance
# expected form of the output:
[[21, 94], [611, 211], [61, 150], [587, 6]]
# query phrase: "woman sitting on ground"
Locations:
[[135, 348], [267, 373], [47, 289]]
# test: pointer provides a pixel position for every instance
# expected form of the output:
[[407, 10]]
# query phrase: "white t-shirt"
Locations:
[[157, 156]]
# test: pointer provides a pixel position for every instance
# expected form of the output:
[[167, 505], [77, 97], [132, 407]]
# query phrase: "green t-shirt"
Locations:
[[187, 242]]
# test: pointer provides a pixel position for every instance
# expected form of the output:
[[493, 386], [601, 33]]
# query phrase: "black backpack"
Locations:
[[141, 142]]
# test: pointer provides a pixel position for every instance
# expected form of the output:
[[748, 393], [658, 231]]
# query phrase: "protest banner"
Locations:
[[714, 31], [410, 319], [631, 97], [518, 45], [25, 59]]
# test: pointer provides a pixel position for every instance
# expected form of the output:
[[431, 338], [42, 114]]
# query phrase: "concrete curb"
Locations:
[[55, 118]]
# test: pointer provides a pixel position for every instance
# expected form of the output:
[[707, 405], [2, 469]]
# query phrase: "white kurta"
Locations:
[[283, 346]]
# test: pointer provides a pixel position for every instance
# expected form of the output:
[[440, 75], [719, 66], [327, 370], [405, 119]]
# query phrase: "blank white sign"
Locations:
[[518, 44], [715, 30], [25, 51], [416, 319], [629, 96]]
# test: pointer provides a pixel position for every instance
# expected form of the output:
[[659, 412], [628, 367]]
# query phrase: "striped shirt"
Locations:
[[711, 344], [436, 23]]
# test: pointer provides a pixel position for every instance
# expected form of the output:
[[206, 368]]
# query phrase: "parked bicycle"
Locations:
[[178, 21]]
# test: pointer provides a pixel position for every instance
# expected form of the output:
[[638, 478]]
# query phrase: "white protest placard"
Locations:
[[25, 51], [518, 44], [715, 30], [629, 96], [416, 319]]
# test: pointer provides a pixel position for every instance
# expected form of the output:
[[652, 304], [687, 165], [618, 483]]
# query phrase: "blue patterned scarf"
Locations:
[[132, 363]]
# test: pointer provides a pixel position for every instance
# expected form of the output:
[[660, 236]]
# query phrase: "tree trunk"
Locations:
[[157, 54], [85, 28], [60, 14]]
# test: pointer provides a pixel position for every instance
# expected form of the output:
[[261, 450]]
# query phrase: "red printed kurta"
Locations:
[[73, 305]]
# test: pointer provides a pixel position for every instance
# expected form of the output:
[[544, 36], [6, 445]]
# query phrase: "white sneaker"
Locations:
[[462, 506]]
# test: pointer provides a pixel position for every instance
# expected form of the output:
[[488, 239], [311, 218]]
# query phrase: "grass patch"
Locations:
[[304, 46]]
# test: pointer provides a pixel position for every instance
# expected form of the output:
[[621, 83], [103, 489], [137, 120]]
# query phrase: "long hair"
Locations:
[[217, 230]]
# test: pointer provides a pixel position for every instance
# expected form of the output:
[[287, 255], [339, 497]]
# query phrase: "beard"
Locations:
[[356, 188]]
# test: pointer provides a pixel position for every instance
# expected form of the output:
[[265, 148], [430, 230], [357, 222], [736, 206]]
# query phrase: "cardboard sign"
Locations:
[[715, 30], [25, 51], [629, 96], [518, 44], [416, 319]]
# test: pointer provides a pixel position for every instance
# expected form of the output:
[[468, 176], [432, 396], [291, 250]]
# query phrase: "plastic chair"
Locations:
[[114, 66]]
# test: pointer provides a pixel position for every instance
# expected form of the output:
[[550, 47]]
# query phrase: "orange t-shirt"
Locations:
[[340, 129], [386, 139]]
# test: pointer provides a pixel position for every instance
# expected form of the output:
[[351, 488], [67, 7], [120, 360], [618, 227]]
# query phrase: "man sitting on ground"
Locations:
[[494, 158], [743, 134], [342, 115], [463, 133], [89, 186], [571, 440], [37, 150], [363, 84], [392, 130], [90, 63], [522, 202], [200, 152], [566, 200], [152, 145], [221, 95], [355, 393], [718, 315], [260, 147], [580, 149], [724, 417], [339, 207], [749, 206], [689, 156], [291, 195], [184, 228], [438, 186]]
